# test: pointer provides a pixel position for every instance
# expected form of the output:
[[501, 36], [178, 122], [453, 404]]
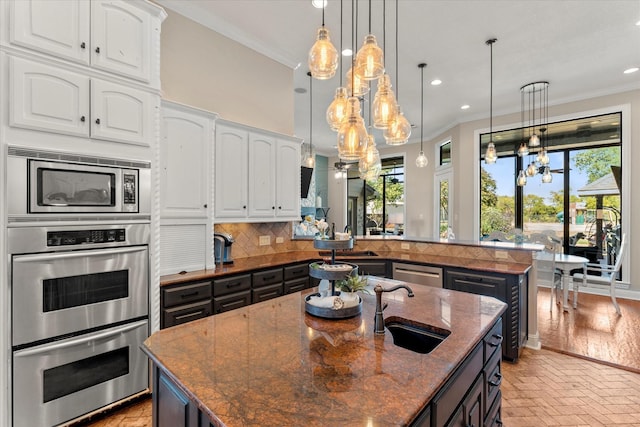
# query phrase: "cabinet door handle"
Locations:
[[244, 207], [273, 207], [82, 119], [82, 45], [97, 121], [279, 207], [98, 49], [495, 344], [205, 205], [498, 375], [190, 294]]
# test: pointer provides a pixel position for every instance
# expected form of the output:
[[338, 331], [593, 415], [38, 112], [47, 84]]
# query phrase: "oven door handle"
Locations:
[[80, 340], [79, 254]]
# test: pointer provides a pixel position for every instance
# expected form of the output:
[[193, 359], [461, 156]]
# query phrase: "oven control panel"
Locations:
[[81, 237]]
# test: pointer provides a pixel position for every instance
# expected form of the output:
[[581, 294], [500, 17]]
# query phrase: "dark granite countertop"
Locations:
[[242, 265], [271, 363]]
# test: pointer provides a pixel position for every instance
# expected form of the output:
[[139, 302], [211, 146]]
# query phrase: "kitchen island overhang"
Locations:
[[272, 363]]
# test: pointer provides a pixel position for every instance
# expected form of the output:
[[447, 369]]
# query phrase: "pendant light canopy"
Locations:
[[491, 155], [323, 56], [421, 160]]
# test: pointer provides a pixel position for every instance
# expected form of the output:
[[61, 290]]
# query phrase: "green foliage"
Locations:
[[353, 283], [597, 162], [494, 220], [488, 189]]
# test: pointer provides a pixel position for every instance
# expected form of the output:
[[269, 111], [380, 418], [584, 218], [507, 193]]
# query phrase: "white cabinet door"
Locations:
[[231, 173], [262, 176], [185, 172], [120, 38], [120, 113], [52, 26], [48, 98], [288, 180]]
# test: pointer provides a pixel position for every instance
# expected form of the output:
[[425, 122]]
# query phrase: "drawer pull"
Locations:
[[190, 294], [498, 375], [233, 285], [495, 344], [265, 278], [186, 316], [297, 271]]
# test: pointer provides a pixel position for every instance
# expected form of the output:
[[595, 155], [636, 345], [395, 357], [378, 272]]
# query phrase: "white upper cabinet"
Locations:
[[185, 172], [112, 35], [231, 172], [257, 175], [52, 99]]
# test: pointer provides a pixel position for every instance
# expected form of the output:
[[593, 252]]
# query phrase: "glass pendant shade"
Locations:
[[369, 165], [356, 86], [385, 107], [546, 175], [523, 150], [543, 157], [323, 56], [421, 160], [490, 156], [369, 59], [399, 130], [337, 111], [534, 141], [352, 135], [531, 169], [522, 179]]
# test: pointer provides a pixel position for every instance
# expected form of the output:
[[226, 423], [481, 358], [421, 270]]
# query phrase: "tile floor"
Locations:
[[546, 388]]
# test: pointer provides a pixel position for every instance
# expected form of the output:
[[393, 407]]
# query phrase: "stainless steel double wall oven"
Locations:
[[78, 239]]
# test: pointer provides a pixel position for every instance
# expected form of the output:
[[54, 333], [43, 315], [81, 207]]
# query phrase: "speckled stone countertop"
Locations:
[[271, 363], [242, 265]]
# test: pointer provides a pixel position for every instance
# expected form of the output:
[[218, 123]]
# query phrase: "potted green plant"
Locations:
[[350, 285]]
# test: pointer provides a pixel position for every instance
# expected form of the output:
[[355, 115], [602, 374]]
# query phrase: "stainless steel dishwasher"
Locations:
[[419, 274]]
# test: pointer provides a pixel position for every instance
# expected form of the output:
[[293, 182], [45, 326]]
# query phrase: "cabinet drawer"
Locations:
[[231, 301], [230, 285], [267, 277], [378, 268], [185, 313], [183, 294], [267, 292], [493, 417], [493, 375], [477, 284], [296, 285], [493, 340], [296, 271]]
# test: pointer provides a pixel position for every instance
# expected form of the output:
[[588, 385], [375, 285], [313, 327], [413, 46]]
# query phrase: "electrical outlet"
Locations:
[[265, 240], [405, 246], [502, 254], [279, 239]]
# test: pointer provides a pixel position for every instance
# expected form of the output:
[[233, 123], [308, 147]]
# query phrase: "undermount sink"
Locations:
[[348, 253], [415, 337]]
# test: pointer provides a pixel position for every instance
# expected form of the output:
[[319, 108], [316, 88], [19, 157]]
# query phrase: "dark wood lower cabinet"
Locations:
[[509, 288]]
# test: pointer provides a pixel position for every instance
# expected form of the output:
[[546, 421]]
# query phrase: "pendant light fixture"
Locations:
[[534, 117], [369, 63], [310, 158], [369, 165], [385, 107], [323, 56], [337, 110], [491, 156], [352, 135], [421, 160], [399, 129]]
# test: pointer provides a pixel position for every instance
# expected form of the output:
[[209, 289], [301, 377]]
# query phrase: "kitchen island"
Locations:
[[271, 363]]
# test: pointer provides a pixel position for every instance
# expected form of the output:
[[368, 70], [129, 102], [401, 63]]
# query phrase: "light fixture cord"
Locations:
[[310, 114], [397, 79], [491, 94], [369, 16], [421, 105], [341, 47], [323, 15], [353, 45]]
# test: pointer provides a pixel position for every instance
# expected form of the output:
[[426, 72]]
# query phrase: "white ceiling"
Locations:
[[581, 47]]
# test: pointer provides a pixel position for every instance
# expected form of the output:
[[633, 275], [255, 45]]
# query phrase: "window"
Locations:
[[445, 153], [582, 203], [377, 207]]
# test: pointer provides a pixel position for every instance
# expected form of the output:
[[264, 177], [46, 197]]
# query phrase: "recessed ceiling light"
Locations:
[[465, 107], [631, 70], [347, 52], [319, 4], [436, 82], [638, 23]]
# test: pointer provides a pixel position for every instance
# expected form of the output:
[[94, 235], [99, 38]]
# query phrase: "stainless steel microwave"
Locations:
[[59, 183]]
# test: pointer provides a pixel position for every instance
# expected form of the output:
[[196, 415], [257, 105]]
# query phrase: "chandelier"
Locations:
[[534, 106]]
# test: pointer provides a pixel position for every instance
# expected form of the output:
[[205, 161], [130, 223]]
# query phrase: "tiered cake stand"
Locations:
[[332, 271]]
